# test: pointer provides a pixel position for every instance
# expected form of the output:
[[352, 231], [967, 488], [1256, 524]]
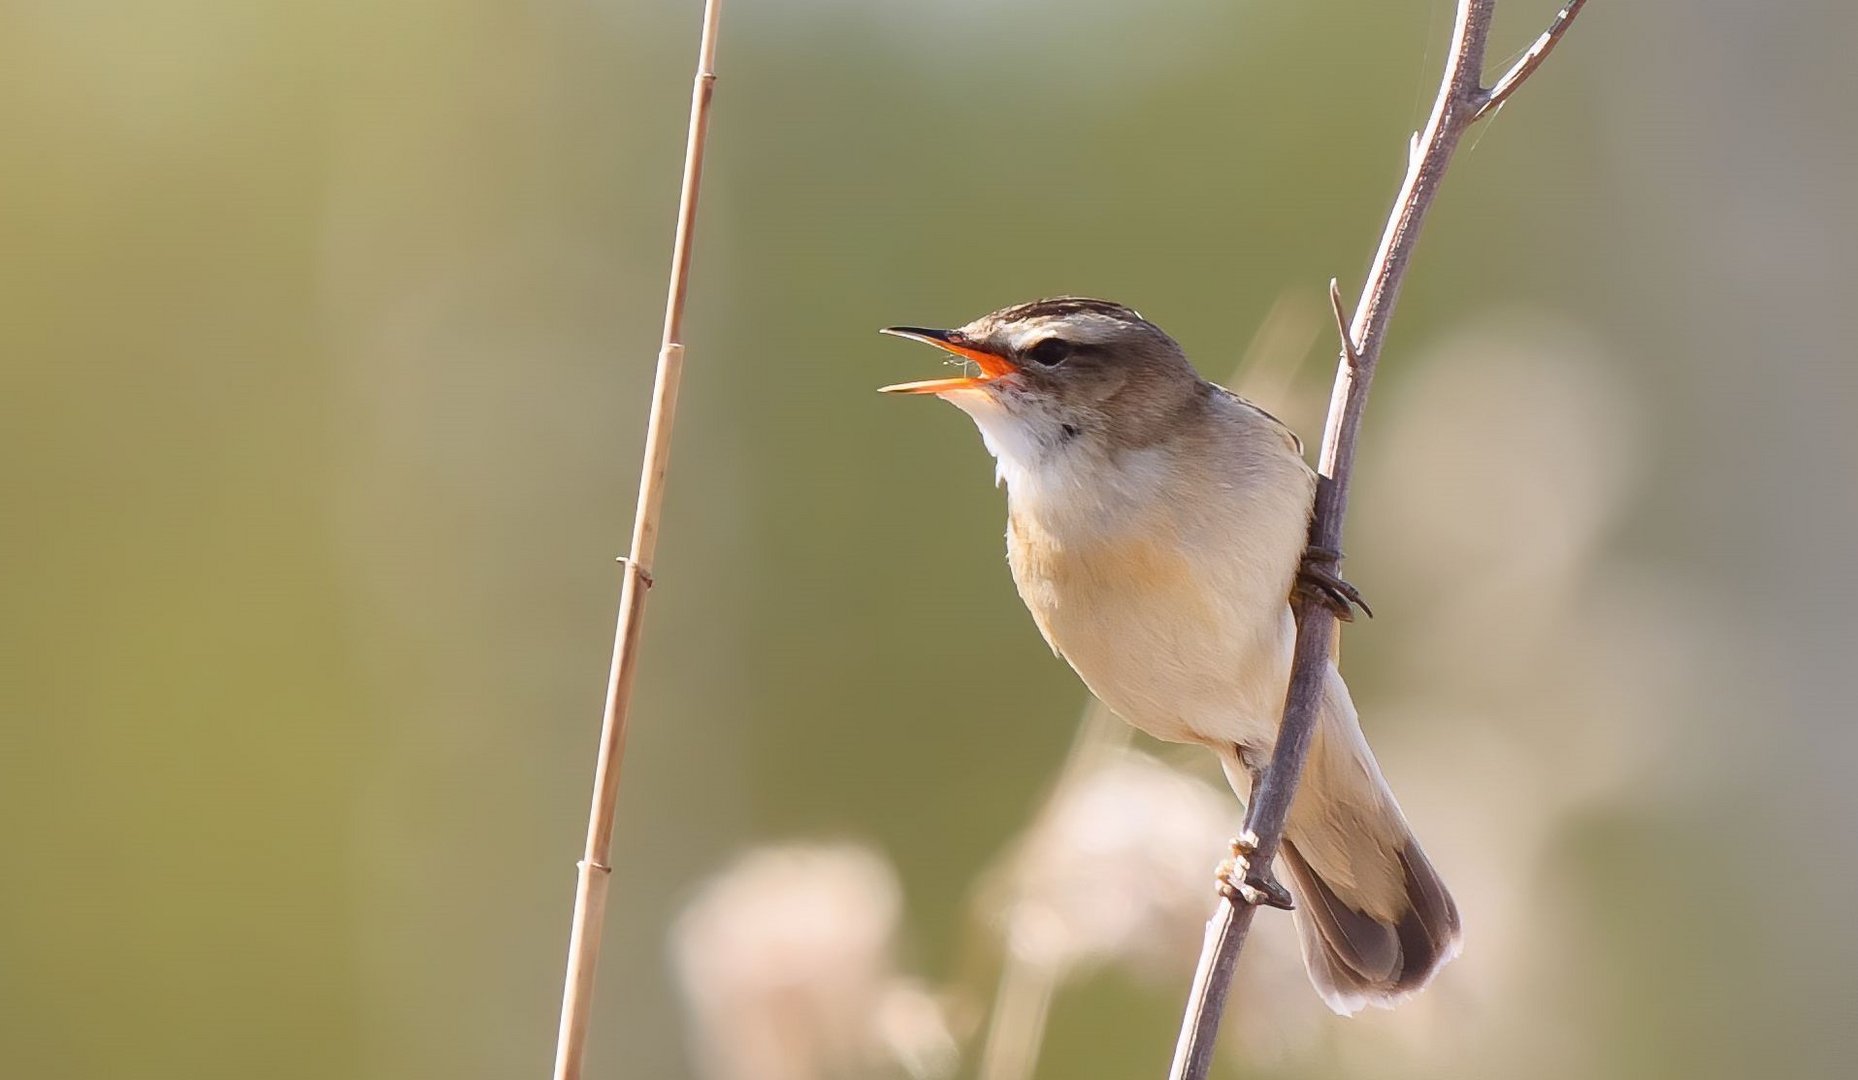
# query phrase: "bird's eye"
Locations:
[[1050, 352]]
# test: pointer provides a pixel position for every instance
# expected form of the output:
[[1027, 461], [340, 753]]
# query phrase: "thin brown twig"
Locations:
[[1349, 353], [1461, 102], [1501, 90], [593, 873]]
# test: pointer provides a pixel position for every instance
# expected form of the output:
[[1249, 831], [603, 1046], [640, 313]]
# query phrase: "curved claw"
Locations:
[[1318, 581]]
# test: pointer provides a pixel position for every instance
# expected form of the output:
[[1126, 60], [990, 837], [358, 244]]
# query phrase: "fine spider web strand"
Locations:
[[1478, 132]]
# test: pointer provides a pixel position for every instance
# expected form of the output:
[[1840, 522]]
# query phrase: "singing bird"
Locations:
[[1156, 529]]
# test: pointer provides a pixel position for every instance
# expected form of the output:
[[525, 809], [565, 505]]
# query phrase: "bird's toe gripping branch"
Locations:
[[1241, 881], [1319, 581]]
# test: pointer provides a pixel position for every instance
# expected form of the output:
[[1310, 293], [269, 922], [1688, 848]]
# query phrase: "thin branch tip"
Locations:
[[1341, 326], [1519, 72]]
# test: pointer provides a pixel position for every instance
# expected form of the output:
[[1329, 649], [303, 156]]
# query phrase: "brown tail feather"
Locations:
[[1358, 959], [1377, 922]]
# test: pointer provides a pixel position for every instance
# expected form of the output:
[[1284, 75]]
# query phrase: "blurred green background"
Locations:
[[327, 334]]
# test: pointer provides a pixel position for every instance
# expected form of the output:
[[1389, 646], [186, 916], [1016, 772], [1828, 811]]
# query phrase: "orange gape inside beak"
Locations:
[[992, 366]]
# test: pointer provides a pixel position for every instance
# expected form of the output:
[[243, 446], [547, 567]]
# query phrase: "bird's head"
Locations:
[[1061, 372]]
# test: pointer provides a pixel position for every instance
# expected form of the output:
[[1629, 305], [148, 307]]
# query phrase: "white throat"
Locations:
[[1020, 449], [1063, 478]]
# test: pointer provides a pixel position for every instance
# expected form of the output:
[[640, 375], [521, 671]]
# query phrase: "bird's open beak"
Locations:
[[992, 365]]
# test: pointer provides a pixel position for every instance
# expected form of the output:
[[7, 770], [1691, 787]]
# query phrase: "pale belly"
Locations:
[[1188, 650]]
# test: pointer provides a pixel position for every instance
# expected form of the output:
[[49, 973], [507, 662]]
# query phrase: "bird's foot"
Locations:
[[1318, 581], [1239, 880]]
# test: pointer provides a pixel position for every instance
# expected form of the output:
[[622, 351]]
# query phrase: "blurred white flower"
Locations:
[[787, 964], [1118, 867]]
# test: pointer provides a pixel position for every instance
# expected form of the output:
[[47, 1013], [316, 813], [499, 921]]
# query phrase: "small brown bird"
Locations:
[[1156, 528]]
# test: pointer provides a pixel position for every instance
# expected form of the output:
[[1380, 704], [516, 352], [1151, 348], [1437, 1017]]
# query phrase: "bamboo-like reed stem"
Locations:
[[1462, 101], [593, 872]]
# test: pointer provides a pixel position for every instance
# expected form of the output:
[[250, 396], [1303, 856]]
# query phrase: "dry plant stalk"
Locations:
[[1462, 101], [593, 872]]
